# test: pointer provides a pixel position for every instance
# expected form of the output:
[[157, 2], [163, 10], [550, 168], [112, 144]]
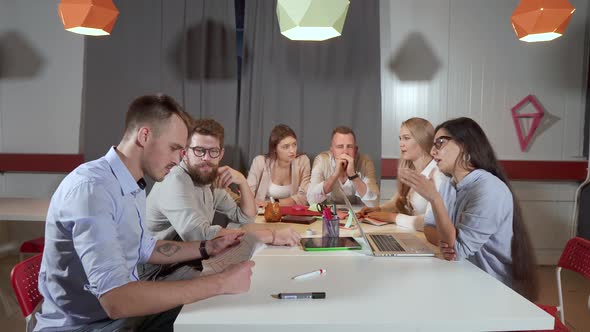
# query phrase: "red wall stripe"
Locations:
[[520, 170], [388, 168], [58, 163], [516, 169]]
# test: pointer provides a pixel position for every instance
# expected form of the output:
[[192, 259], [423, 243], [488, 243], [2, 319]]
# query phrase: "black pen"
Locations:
[[312, 295]]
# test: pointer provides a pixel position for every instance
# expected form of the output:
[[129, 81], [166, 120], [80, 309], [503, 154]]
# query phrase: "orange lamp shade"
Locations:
[[541, 20], [88, 17]]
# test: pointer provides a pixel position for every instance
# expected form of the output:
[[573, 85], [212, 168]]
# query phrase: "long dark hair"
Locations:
[[477, 152]]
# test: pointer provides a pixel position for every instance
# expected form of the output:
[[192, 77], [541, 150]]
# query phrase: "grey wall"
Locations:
[[311, 86], [159, 46]]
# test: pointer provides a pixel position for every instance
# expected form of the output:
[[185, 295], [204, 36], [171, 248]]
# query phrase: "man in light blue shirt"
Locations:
[[95, 236]]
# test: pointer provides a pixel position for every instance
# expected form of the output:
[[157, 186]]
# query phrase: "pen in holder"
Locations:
[[330, 227]]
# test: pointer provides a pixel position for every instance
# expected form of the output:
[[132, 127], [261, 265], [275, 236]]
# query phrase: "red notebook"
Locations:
[[307, 220], [298, 210]]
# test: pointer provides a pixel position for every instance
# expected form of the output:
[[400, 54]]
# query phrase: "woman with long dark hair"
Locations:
[[282, 173], [476, 216], [407, 208]]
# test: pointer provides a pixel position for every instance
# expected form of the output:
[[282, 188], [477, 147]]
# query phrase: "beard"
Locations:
[[203, 178]]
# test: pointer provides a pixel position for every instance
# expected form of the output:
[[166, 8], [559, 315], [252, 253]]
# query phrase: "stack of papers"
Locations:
[[248, 246]]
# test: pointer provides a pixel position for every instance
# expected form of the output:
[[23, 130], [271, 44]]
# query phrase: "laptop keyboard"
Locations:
[[386, 242]]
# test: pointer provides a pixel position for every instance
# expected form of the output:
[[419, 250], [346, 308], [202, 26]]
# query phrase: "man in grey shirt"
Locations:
[[182, 206]]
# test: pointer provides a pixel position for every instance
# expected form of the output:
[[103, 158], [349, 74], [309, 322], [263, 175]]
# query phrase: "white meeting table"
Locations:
[[364, 293], [20, 210], [23, 209]]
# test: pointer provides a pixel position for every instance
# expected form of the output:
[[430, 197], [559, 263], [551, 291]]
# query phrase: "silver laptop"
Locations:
[[390, 243]]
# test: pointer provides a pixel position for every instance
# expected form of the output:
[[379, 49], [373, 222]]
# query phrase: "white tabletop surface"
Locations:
[[365, 293], [23, 209]]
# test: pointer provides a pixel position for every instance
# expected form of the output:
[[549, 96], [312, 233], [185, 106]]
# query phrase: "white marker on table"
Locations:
[[310, 274]]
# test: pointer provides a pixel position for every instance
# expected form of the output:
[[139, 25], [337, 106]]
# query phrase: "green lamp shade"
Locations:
[[311, 19]]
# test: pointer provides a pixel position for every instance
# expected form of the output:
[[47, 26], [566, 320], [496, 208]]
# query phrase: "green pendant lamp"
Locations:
[[314, 20]]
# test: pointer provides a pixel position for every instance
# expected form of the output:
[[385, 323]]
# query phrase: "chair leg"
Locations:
[[5, 304], [560, 293], [28, 321]]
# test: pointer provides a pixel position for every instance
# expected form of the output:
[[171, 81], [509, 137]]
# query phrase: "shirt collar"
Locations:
[[426, 171], [128, 183], [469, 179], [184, 167]]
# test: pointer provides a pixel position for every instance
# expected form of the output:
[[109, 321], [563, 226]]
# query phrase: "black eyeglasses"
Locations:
[[440, 141], [200, 151]]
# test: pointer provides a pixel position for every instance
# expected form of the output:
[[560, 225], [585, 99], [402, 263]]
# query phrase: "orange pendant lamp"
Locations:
[[88, 17], [541, 20]]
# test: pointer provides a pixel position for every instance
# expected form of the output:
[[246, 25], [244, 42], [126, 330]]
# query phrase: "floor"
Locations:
[[10, 315], [576, 291]]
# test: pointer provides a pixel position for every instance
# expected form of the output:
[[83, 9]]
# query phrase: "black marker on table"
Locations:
[[311, 295]]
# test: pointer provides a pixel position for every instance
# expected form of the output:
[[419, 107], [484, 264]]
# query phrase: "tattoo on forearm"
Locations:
[[168, 249]]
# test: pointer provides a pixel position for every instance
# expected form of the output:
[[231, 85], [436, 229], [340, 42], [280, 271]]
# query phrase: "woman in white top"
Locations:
[[282, 173], [407, 208]]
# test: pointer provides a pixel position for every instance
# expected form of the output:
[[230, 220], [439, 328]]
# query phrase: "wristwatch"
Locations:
[[353, 177], [203, 250]]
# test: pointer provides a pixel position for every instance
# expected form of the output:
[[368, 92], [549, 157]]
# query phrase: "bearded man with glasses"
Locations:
[[182, 206]]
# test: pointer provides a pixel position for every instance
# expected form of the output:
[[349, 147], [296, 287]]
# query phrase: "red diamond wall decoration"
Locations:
[[536, 116]]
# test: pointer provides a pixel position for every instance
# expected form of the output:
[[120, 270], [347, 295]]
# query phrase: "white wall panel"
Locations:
[[404, 99], [484, 71], [545, 191], [41, 109], [547, 209], [2, 184], [490, 71], [388, 189], [31, 185], [547, 220]]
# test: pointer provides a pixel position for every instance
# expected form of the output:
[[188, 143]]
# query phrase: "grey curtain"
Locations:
[[310, 86], [184, 48]]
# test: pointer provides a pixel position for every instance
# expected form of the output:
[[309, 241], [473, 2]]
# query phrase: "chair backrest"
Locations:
[[24, 279], [576, 256]]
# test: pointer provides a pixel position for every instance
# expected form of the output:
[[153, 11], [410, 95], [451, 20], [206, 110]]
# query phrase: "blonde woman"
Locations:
[[282, 173], [407, 207]]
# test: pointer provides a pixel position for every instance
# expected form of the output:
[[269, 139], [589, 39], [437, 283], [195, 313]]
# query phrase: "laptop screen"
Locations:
[[351, 210], [418, 249]]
